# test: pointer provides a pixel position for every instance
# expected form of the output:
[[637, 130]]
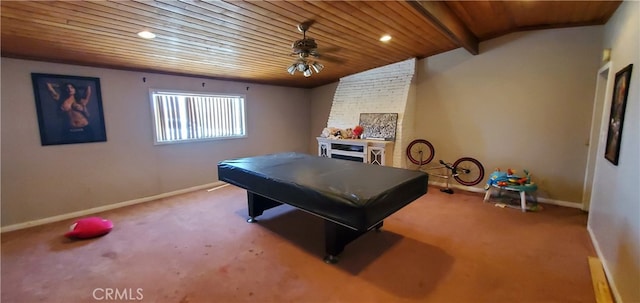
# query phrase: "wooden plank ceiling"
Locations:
[[250, 41]]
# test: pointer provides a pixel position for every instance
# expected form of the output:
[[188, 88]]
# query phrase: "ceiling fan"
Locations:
[[306, 49]]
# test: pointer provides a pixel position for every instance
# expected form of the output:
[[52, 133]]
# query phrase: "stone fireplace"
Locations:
[[386, 89]]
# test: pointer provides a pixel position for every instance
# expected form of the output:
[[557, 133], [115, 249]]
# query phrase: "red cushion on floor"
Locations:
[[89, 228]]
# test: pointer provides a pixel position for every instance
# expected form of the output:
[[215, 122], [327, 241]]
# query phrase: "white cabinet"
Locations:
[[367, 151]]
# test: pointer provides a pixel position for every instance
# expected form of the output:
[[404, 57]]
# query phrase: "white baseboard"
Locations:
[[107, 207], [481, 190], [607, 272]]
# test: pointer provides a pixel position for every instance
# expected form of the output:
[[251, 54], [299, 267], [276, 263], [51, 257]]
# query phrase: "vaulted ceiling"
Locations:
[[251, 41]]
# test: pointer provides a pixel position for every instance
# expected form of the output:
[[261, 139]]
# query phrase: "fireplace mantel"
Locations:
[[368, 151]]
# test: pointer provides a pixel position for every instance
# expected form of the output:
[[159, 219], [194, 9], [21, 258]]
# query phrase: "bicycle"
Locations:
[[466, 170]]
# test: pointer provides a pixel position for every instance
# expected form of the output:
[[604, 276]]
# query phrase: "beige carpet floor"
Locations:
[[197, 247]]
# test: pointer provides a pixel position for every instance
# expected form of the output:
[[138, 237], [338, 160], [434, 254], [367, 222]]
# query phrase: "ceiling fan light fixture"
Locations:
[[302, 66], [307, 72], [292, 69], [306, 51], [317, 66]]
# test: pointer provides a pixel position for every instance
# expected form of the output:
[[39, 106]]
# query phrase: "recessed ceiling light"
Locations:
[[385, 38], [147, 34]]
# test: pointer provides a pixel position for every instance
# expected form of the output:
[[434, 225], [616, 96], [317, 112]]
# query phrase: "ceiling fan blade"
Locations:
[[329, 58], [329, 49]]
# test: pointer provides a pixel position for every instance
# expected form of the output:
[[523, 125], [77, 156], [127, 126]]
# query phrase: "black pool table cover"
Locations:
[[356, 195]]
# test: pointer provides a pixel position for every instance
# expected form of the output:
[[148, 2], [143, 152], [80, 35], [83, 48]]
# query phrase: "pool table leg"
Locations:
[[258, 204], [336, 237], [378, 226]]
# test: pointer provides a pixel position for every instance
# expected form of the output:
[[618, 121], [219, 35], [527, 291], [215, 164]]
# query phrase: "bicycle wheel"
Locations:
[[420, 152], [469, 171]]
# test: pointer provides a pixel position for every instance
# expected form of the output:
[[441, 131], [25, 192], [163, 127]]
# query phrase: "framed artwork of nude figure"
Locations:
[[69, 109]]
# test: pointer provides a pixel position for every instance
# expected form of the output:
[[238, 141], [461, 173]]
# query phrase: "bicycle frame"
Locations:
[[466, 170], [451, 172]]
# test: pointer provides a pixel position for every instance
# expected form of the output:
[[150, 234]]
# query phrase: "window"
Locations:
[[180, 117]]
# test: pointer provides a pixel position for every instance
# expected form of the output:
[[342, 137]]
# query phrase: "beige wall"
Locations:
[[524, 102], [44, 181], [321, 101], [614, 215]]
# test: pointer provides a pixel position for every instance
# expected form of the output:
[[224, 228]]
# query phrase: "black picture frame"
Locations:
[[616, 117], [66, 118]]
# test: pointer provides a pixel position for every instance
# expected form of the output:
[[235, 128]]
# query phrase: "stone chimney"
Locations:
[[386, 89]]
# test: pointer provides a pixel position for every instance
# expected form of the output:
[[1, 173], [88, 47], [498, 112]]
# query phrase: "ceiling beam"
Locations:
[[443, 19]]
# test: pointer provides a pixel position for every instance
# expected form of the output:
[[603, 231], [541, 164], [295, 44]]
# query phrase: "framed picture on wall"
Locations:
[[69, 109], [379, 126], [616, 118]]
